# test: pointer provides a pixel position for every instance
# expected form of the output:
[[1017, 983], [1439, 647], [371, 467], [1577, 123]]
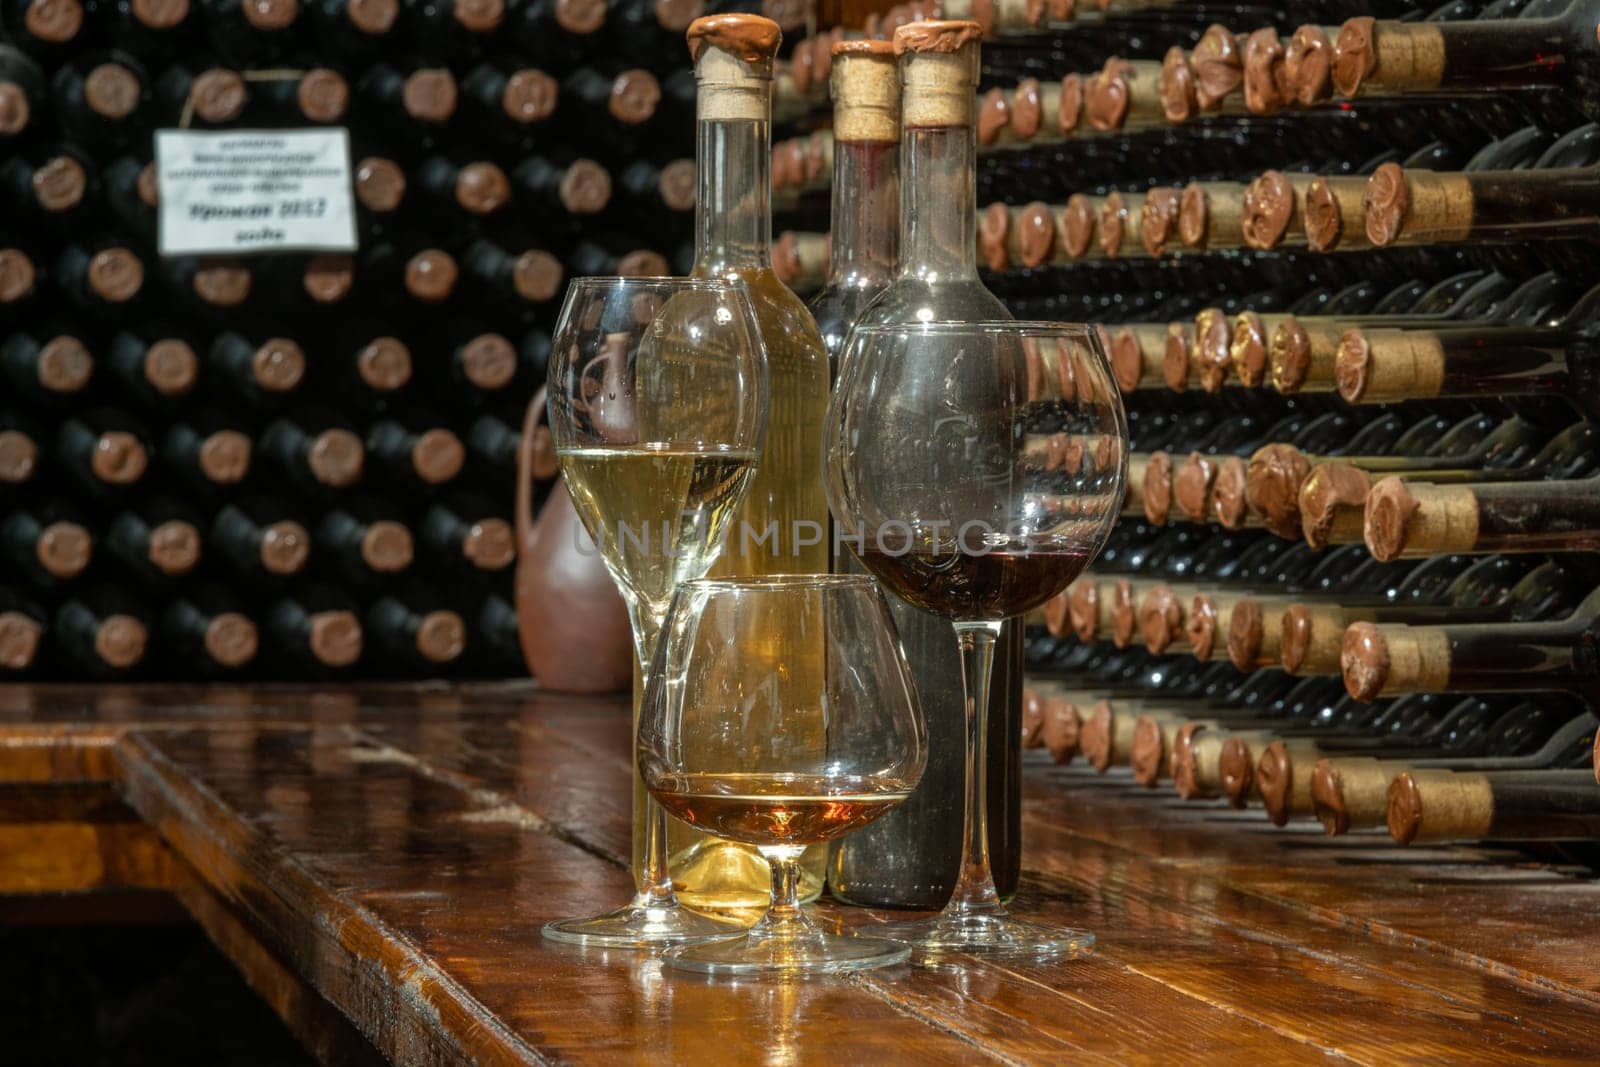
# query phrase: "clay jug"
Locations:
[[570, 617]]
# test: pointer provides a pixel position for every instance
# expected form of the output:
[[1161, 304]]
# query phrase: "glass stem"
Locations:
[[974, 892], [655, 884], [783, 919]]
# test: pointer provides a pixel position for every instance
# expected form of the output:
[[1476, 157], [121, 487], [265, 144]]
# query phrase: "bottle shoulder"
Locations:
[[911, 299]]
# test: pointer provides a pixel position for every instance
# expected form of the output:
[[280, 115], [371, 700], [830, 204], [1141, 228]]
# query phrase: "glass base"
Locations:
[[815, 952], [991, 935], [643, 925]]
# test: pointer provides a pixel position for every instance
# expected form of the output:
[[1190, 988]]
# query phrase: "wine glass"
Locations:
[[976, 468], [781, 759], [658, 408]]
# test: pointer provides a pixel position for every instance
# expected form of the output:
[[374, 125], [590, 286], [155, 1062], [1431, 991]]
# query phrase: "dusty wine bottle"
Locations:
[[211, 631], [158, 541], [48, 546], [259, 541]]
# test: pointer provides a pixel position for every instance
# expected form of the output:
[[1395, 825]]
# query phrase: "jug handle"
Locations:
[[524, 497]]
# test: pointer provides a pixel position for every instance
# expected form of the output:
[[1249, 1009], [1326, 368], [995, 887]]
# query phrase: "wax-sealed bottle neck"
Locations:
[[938, 203], [733, 156], [866, 192]]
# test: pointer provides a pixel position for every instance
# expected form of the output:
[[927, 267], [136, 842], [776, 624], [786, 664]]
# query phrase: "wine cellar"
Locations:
[[1312, 745]]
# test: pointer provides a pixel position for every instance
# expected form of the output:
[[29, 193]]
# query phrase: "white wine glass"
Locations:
[[658, 409], [781, 759], [976, 468]]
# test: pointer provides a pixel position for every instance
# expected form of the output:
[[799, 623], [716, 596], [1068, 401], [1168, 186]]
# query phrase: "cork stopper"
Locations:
[[218, 95], [1069, 104], [1158, 488], [1032, 717], [15, 111], [1312, 638], [1247, 636], [386, 547], [530, 96], [380, 184], [1078, 221], [120, 641], [19, 457], [635, 95], [323, 95], [1308, 66], [17, 275], [1200, 626], [112, 91], [384, 364], [231, 640], [489, 545], [1218, 61], [1210, 358], [1386, 660], [482, 188], [643, 263], [1112, 226], [1439, 805], [441, 636], [675, 16], [1124, 617], [1350, 793], [1229, 498], [1413, 519], [270, 15], [438, 456], [1380, 366], [1267, 88], [431, 275], [865, 85], [1301, 357], [1084, 609], [1036, 236], [1332, 503], [1175, 355], [1283, 778], [1191, 489], [1371, 56], [1027, 110], [1334, 208], [733, 57], [335, 638], [118, 458], [585, 188], [58, 185], [1160, 619], [1237, 765], [1106, 95], [285, 548], [1095, 739], [1247, 350], [64, 550], [372, 17], [336, 458], [1417, 206], [1147, 754], [1271, 205], [1062, 728], [63, 365], [429, 95], [53, 21], [1179, 101], [1158, 219], [19, 640], [1057, 614], [1272, 486], [278, 365], [225, 457], [115, 275], [174, 548], [221, 283], [939, 71], [328, 279]]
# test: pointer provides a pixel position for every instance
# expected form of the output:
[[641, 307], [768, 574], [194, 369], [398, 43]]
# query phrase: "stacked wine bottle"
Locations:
[[286, 465], [1343, 260]]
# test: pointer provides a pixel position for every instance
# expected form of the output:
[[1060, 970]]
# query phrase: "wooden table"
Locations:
[[378, 864]]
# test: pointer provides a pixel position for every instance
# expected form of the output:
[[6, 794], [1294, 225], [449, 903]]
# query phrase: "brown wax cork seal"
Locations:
[[480, 16], [278, 365], [53, 21], [1158, 488], [1364, 661], [635, 95], [384, 364], [218, 95], [1355, 55], [1325, 221], [1272, 483], [529, 96], [335, 638], [1147, 756], [1267, 89], [1057, 614], [1124, 616], [438, 456], [225, 457], [1084, 609], [115, 275], [1032, 718], [585, 188], [1382, 365], [1308, 66], [431, 275], [1311, 640], [386, 547], [174, 548], [1095, 737], [1200, 626], [1387, 203], [1158, 219], [1036, 233], [15, 111], [1210, 359], [372, 17], [328, 279], [221, 283], [677, 185], [488, 361], [580, 17], [1160, 619], [1341, 787], [536, 276], [1271, 205], [1416, 518], [19, 640], [441, 636], [323, 95], [1246, 634], [1078, 220], [380, 184], [1218, 63], [336, 458], [171, 367], [285, 548], [1112, 225], [1248, 349], [643, 263], [119, 458], [121, 641], [1285, 787], [270, 15], [16, 275], [63, 365], [1069, 105], [429, 95], [58, 185], [1178, 100], [1293, 356], [677, 15], [489, 545], [1195, 221], [64, 549], [994, 228], [1191, 488], [1062, 727], [19, 457], [1027, 110], [1381, 660], [1106, 95], [112, 91], [148, 185], [1331, 502], [750, 38], [944, 37], [1175, 356], [1127, 359], [482, 188], [1229, 502], [1238, 770], [231, 640], [994, 115]]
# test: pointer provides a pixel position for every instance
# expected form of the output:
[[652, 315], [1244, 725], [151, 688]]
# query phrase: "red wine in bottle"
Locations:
[[211, 631]]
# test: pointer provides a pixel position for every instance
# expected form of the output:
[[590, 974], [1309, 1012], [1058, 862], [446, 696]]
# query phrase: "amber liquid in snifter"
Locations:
[[734, 239]]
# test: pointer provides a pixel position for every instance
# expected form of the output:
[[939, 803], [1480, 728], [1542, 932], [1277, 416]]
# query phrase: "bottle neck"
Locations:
[[733, 213], [866, 233], [938, 208]]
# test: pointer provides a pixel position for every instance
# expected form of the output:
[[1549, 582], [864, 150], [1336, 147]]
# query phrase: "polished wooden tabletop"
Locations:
[[378, 863]]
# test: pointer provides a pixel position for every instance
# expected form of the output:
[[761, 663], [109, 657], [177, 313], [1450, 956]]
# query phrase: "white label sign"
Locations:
[[241, 191]]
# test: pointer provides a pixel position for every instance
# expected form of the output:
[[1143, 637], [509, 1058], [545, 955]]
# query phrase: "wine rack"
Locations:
[[285, 466], [1344, 267]]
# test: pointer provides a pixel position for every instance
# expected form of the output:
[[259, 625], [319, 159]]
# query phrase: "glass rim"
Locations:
[[1034, 327], [762, 582], [679, 281]]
